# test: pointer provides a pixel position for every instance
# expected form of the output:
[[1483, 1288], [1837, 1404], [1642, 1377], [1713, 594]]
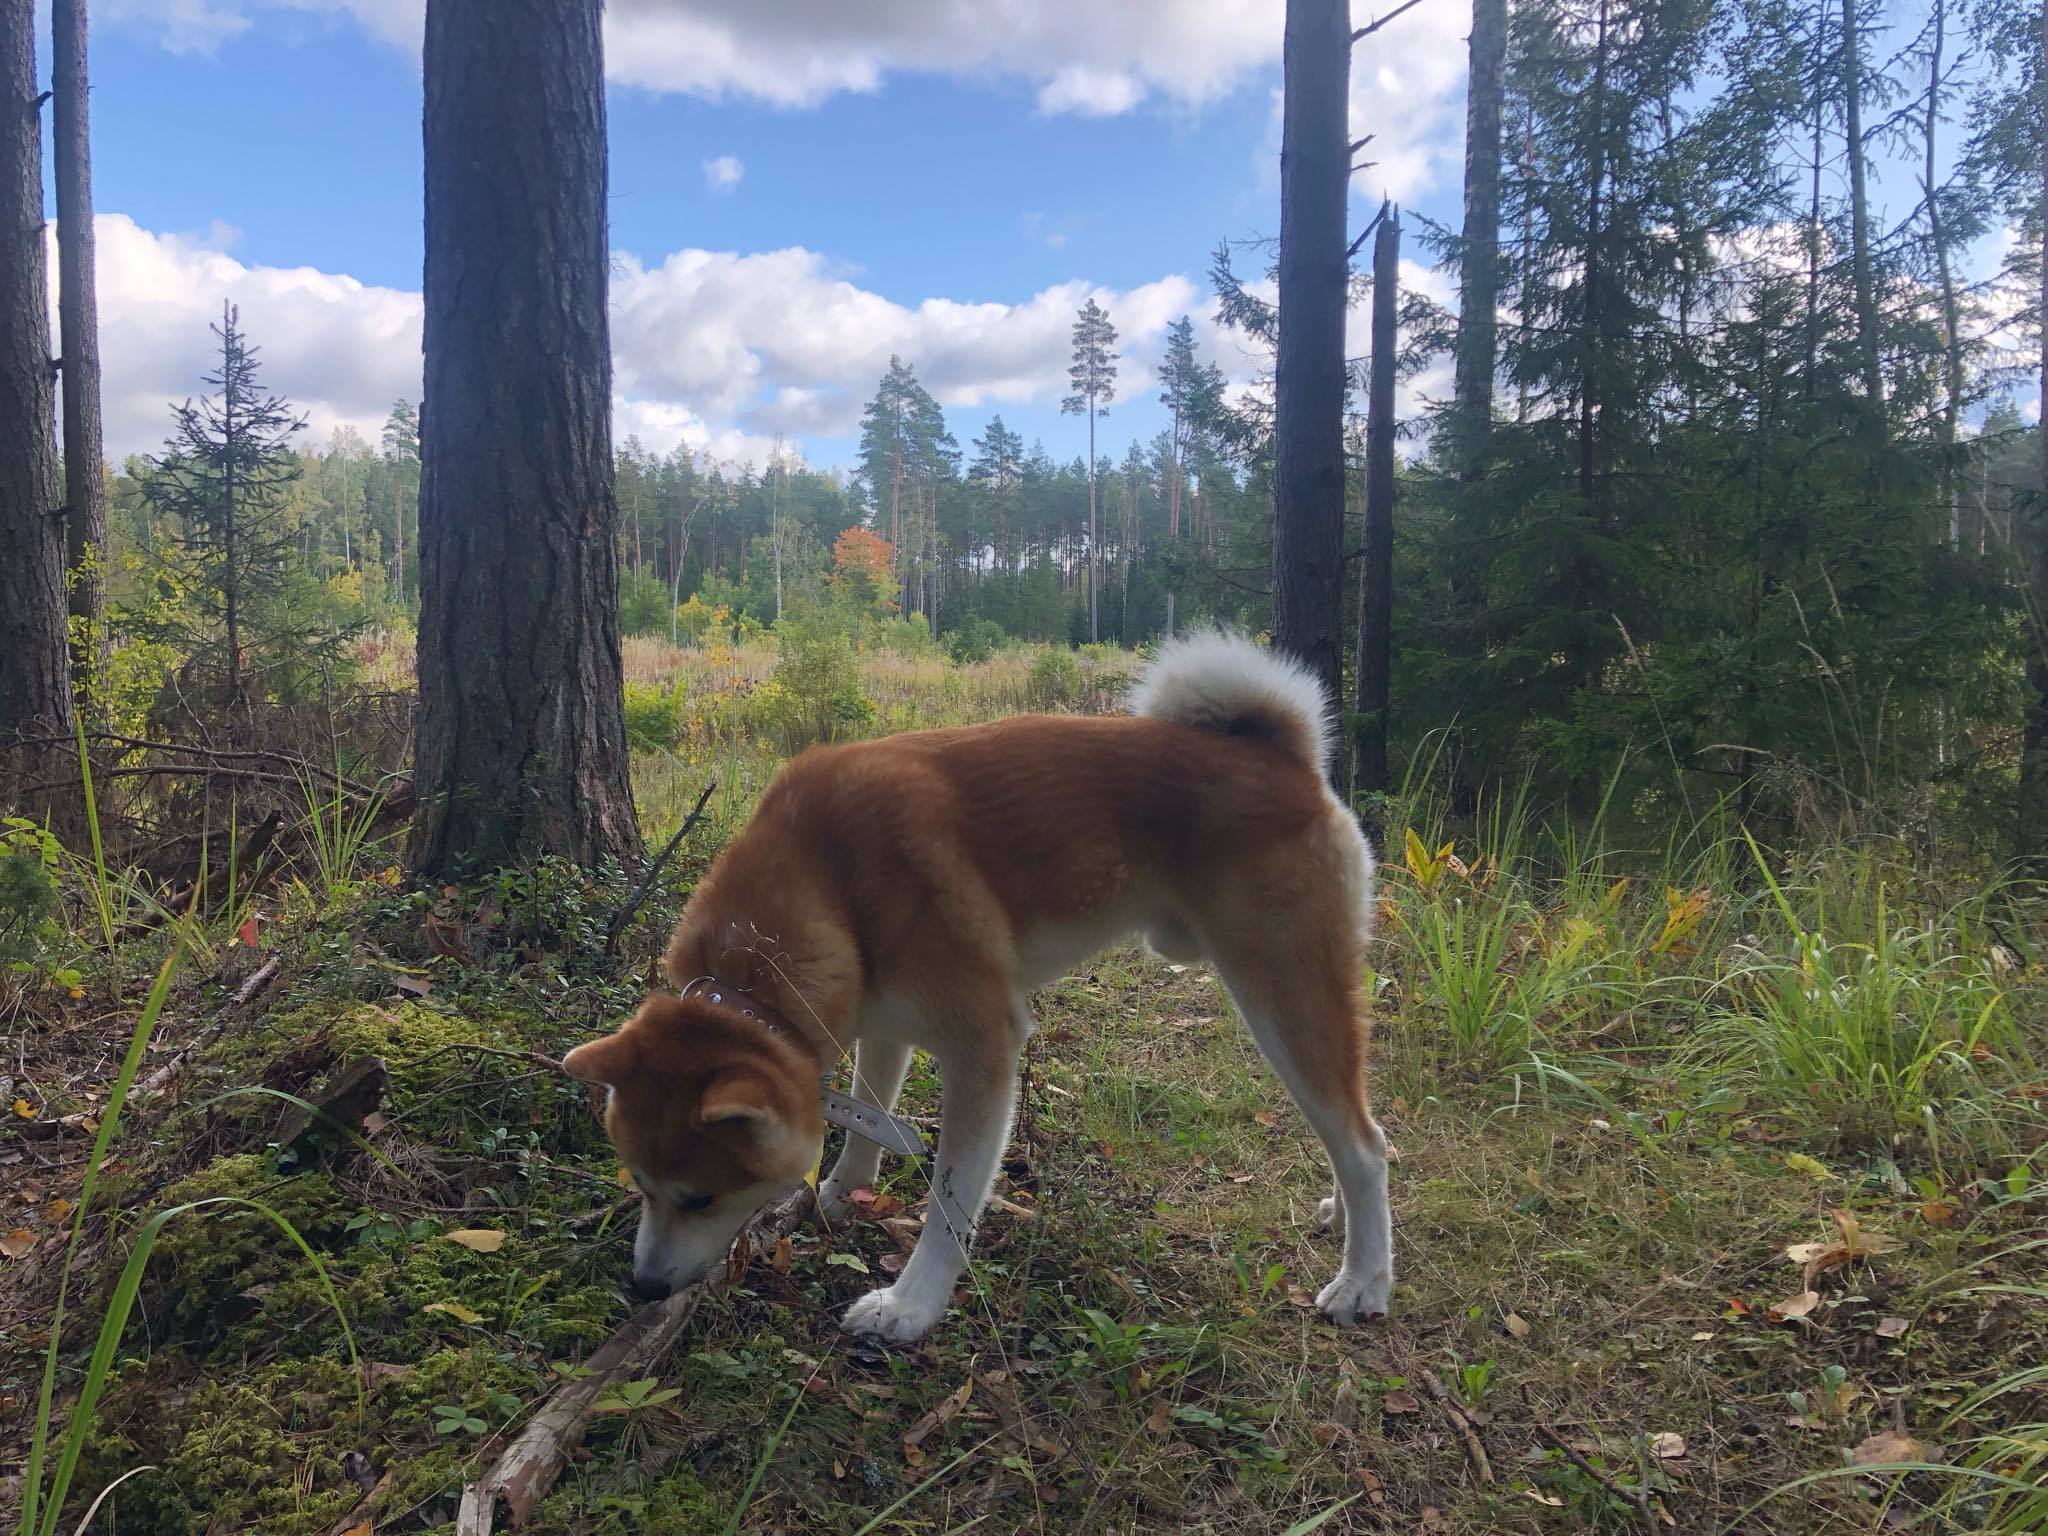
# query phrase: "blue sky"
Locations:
[[796, 191]]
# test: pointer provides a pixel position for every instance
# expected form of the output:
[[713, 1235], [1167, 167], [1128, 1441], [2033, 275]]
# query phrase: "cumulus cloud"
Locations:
[[724, 173], [716, 349]]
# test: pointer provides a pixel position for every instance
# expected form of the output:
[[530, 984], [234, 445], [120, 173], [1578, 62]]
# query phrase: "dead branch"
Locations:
[[633, 902], [1373, 26], [257, 980], [531, 1058], [1463, 1425], [525, 1472], [1636, 1498]]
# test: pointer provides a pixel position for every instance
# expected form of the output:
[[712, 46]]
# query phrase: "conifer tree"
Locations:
[[1092, 373]]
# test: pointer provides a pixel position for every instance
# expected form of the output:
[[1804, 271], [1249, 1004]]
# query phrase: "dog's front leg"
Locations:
[[978, 1090]]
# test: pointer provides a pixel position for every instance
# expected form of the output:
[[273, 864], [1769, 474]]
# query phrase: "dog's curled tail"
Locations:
[[1225, 682]]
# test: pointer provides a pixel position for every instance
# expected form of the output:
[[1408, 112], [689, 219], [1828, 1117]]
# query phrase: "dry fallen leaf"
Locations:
[[360, 1528], [1850, 1244], [914, 1437], [1160, 1419], [1667, 1446], [1892, 1327], [1517, 1325], [1703, 1335], [1887, 1448], [1400, 1401], [16, 1241], [1267, 1118], [478, 1239], [24, 1110], [59, 1211], [1549, 1500], [780, 1262], [1793, 1307]]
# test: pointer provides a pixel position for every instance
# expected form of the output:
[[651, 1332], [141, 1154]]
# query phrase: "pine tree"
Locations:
[[85, 469], [223, 482], [1092, 373]]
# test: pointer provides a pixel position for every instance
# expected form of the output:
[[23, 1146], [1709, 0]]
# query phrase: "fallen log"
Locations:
[[526, 1471]]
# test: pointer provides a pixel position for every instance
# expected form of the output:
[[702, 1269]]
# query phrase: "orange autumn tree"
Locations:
[[863, 570]]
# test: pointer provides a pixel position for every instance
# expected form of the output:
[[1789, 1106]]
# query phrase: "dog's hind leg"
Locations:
[[879, 1067], [978, 1086], [1306, 1018]]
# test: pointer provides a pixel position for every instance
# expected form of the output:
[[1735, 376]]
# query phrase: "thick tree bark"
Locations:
[[35, 689], [1480, 269], [1308, 374], [2033, 817], [1859, 217], [1376, 573], [522, 742], [78, 322]]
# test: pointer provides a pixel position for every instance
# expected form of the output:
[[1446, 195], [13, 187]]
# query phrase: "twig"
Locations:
[[1637, 1498], [1365, 234], [526, 1470], [258, 979], [531, 1058], [633, 903], [1463, 1425], [1373, 26]]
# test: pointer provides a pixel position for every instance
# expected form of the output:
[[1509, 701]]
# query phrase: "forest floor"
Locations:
[[1603, 1319]]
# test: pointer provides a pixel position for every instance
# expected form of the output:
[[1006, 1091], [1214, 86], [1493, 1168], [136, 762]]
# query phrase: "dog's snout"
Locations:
[[651, 1287]]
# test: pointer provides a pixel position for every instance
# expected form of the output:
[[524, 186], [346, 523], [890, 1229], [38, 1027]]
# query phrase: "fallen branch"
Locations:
[[634, 902], [258, 979], [1463, 1425], [526, 1471], [1637, 1498]]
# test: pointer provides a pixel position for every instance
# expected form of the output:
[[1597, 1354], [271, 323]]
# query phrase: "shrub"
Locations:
[[643, 604], [976, 640], [1055, 680], [654, 716], [815, 692], [31, 912]]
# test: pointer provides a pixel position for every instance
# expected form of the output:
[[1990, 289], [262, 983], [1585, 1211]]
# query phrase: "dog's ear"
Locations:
[[609, 1061], [740, 1097]]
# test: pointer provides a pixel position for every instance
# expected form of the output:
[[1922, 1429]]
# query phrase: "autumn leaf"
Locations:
[[1400, 1401], [1517, 1325], [454, 1309], [1793, 1308], [59, 1211], [478, 1239], [16, 1241], [1892, 1327], [24, 1110], [1667, 1445], [915, 1436], [1887, 1448], [1812, 1167]]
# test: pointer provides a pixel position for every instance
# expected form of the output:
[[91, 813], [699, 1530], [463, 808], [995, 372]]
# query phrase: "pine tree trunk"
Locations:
[[1094, 618], [85, 478], [1859, 217], [1813, 229], [1951, 313], [1308, 375], [1479, 269], [1589, 390], [35, 689], [1376, 573], [522, 741], [2033, 817]]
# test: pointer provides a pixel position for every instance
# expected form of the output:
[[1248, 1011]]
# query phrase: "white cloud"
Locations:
[[724, 173], [716, 349], [1094, 59]]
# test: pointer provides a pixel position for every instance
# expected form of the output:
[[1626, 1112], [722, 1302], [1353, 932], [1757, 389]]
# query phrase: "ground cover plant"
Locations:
[[1718, 1201]]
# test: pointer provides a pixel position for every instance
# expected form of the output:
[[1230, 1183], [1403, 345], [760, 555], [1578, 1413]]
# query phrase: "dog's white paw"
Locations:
[[1330, 1216], [1350, 1299], [889, 1314], [834, 1202]]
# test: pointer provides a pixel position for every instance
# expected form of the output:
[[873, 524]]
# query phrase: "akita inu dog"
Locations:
[[912, 892]]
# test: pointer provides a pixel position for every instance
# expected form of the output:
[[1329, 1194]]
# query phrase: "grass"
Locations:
[[1620, 1084]]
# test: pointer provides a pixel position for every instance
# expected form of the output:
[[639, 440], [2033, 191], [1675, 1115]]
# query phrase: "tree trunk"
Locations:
[[1951, 312], [1376, 572], [35, 691], [1308, 375], [1859, 217], [1094, 618], [522, 741], [85, 477], [2033, 817], [1480, 266], [1589, 391], [1813, 229]]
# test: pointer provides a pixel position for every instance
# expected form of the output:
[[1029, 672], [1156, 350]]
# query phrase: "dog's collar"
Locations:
[[891, 1132]]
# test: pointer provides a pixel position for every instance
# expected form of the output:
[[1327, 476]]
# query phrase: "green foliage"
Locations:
[[32, 931], [1055, 679], [654, 715], [815, 692]]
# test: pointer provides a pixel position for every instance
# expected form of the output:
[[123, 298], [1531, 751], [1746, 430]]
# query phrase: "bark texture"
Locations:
[[1480, 269], [2033, 818], [78, 324], [522, 743], [1376, 574], [35, 690], [1308, 375]]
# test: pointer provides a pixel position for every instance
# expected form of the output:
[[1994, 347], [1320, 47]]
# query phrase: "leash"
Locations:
[[888, 1131]]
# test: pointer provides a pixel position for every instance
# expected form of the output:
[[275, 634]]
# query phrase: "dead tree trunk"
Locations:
[[1480, 266], [1308, 374], [1376, 571], [522, 741], [78, 324], [35, 690]]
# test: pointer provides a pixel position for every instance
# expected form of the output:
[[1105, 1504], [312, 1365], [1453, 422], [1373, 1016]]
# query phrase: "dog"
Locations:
[[915, 890]]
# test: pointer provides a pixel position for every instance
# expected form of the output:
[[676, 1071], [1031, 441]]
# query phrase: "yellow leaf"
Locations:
[[454, 1309], [622, 1178], [1812, 1167], [479, 1239], [16, 1241], [59, 1210], [1517, 1325]]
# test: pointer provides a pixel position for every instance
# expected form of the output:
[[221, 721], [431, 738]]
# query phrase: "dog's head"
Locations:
[[713, 1115]]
